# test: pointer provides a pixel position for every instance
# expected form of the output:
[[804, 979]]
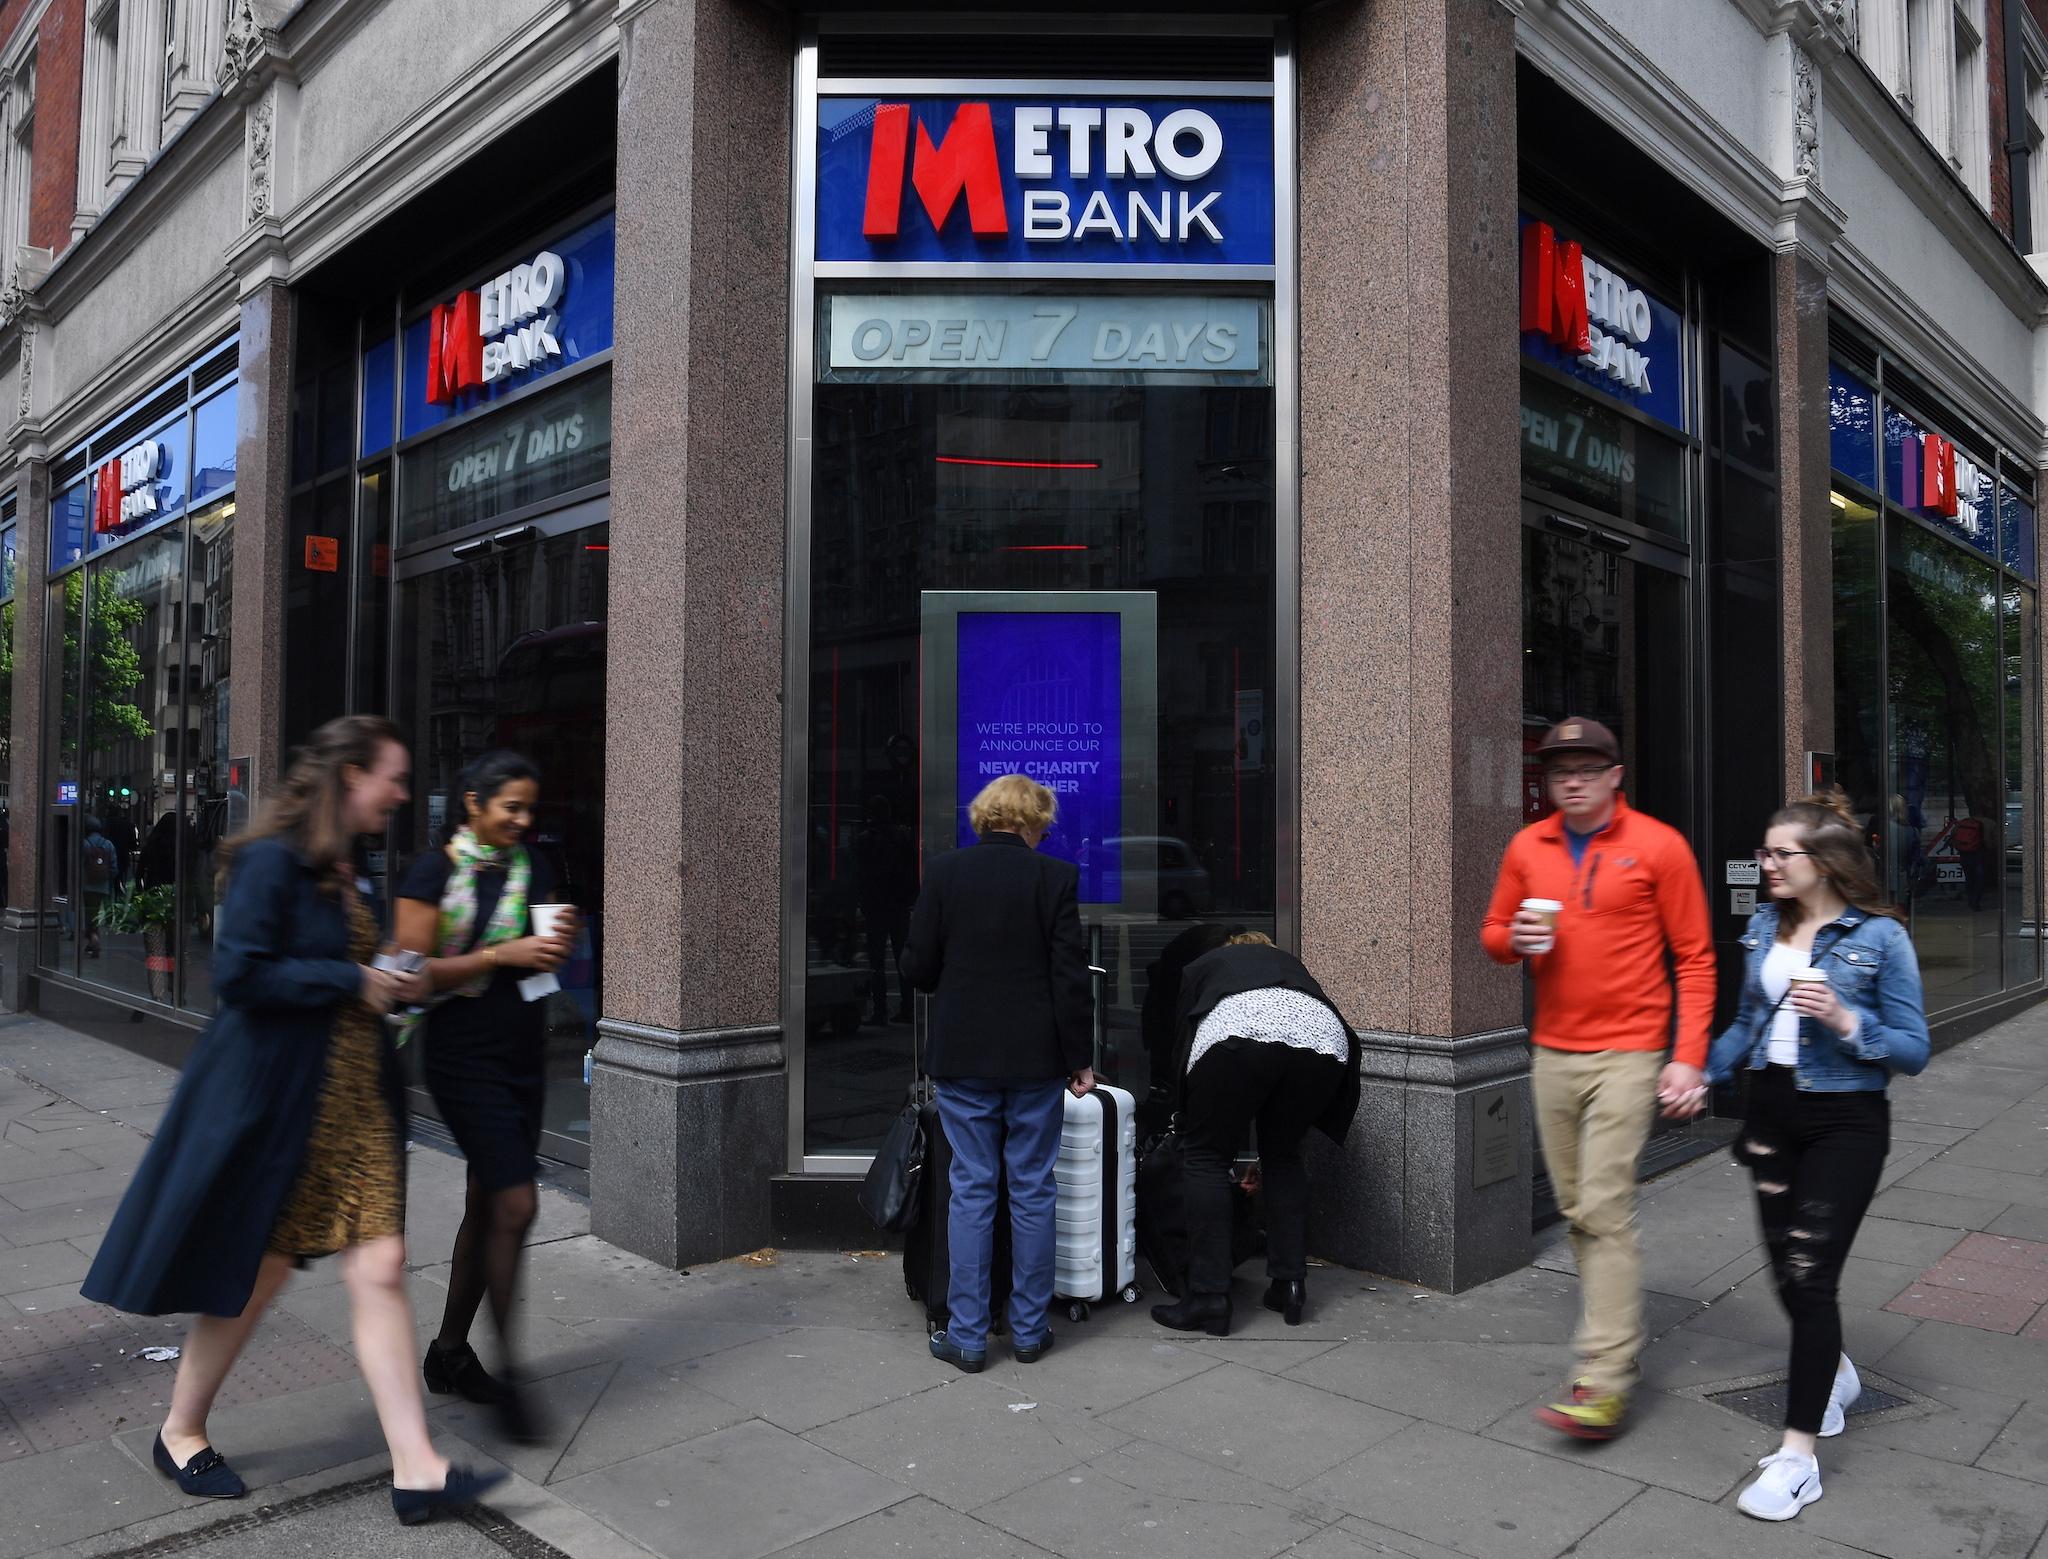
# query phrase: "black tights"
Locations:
[[486, 1260], [1815, 1158]]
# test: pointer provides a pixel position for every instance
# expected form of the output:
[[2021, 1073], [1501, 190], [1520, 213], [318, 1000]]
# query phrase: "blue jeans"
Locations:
[[991, 1127]]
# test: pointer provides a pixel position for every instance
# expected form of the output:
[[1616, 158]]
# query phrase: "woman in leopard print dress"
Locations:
[[284, 1140]]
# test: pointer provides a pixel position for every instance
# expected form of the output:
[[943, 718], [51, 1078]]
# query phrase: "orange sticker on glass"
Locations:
[[323, 554]]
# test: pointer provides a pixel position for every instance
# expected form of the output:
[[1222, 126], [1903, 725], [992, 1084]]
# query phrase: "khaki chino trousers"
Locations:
[[1593, 1114]]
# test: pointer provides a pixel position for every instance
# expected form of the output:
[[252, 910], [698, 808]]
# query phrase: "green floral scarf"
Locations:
[[458, 903], [458, 916]]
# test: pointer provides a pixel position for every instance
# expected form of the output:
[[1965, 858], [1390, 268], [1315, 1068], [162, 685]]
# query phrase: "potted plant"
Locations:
[[152, 912]]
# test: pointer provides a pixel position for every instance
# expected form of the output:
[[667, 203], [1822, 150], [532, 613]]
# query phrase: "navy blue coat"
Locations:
[[192, 1230]]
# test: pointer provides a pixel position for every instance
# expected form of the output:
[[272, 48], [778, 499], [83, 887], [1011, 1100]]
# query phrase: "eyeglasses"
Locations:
[[1564, 776], [1780, 857]]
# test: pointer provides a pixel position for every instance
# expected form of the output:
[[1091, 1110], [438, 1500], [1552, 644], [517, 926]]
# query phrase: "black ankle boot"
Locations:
[[459, 1371], [1197, 1313], [1287, 1296]]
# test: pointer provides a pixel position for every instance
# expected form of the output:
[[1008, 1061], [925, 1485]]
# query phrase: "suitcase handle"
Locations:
[[1098, 979]]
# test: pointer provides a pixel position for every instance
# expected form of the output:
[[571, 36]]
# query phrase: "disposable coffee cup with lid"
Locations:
[[1810, 975], [549, 919], [1547, 911]]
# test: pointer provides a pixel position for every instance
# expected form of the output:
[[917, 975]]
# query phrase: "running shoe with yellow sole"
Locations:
[[1587, 1414]]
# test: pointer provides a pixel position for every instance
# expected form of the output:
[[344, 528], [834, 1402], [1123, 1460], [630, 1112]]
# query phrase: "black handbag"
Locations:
[[1163, 1233], [893, 1191]]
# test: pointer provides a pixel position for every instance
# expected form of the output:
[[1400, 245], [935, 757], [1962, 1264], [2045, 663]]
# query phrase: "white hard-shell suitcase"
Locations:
[[1098, 1201]]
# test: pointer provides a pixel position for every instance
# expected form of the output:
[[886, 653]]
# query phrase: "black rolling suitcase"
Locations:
[[927, 1260]]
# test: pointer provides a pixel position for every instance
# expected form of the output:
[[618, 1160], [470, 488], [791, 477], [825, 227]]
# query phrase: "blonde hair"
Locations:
[[1251, 939], [1012, 804]]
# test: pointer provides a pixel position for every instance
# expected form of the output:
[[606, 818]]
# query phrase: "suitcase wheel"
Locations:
[[1131, 1294], [1077, 1310]]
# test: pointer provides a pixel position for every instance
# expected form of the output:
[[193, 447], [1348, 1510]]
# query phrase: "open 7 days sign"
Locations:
[[1008, 180]]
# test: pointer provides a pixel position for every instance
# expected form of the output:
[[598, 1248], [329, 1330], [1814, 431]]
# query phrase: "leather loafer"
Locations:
[[206, 1476], [943, 1347], [1031, 1353], [462, 1489], [1286, 1296]]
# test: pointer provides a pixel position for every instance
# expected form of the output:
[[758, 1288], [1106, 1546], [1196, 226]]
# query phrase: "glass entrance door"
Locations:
[[501, 643], [1604, 634]]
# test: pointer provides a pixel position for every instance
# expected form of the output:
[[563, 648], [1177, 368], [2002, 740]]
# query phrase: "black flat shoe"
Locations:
[[463, 1489], [1286, 1296], [206, 1476], [1033, 1352], [460, 1372], [1197, 1313]]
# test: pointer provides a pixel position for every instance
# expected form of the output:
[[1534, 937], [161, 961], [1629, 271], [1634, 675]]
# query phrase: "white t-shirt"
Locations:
[[1780, 964]]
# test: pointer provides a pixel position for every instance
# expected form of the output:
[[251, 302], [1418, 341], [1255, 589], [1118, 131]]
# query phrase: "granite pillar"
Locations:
[[689, 1099], [1410, 622], [1805, 524], [21, 925], [262, 533]]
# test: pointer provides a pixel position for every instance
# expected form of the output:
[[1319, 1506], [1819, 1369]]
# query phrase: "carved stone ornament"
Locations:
[[262, 139], [1841, 14], [244, 46], [1805, 117], [28, 358], [13, 298]]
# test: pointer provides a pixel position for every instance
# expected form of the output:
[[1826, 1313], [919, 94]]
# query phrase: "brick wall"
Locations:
[[60, 81], [1994, 70]]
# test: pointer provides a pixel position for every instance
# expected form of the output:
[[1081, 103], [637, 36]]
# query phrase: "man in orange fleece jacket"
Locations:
[[1629, 892]]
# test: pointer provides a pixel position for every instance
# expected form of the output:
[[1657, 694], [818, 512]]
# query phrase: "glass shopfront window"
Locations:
[[1066, 577], [1937, 684], [136, 645], [449, 563], [1043, 530]]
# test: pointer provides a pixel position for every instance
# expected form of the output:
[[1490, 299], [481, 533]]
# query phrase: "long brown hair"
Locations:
[[307, 813], [1840, 852]]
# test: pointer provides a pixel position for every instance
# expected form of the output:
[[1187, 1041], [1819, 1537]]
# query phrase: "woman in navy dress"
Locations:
[[468, 907], [285, 1138]]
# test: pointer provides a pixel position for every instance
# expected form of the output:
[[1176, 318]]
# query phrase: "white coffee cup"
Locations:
[[551, 920], [1546, 910], [1810, 975]]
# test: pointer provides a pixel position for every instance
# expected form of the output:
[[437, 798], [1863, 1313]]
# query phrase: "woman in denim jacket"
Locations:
[[1817, 1057]]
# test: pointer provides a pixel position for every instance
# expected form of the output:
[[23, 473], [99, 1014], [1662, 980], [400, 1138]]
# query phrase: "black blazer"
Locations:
[[1232, 971], [996, 935]]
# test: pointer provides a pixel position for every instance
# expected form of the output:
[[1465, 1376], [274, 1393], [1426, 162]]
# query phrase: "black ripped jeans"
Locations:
[[1815, 1158]]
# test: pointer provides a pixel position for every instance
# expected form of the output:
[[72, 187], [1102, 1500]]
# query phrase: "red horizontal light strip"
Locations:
[[1063, 546], [596, 546], [1021, 465]]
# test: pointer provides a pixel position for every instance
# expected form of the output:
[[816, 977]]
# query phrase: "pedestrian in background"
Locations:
[[1596, 898], [469, 907], [285, 1140], [996, 936], [1831, 1008], [1260, 1042]]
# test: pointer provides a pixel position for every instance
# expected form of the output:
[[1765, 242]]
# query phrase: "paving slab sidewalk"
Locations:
[[786, 1406]]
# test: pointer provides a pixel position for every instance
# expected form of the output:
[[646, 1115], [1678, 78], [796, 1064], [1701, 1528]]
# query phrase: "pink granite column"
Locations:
[[688, 1109], [262, 540], [1806, 547], [1410, 618], [26, 780]]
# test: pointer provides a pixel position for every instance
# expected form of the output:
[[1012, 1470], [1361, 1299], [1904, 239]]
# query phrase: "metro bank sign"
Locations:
[[996, 180]]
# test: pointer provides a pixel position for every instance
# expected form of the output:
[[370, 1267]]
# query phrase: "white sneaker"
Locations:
[[1848, 1387], [1790, 1483]]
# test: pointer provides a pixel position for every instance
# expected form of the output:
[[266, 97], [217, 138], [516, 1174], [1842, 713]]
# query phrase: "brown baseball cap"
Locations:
[[1575, 734]]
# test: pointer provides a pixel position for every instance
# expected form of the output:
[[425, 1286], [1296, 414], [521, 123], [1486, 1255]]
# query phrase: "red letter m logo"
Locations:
[[1554, 289], [455, 349], [964, 161]]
